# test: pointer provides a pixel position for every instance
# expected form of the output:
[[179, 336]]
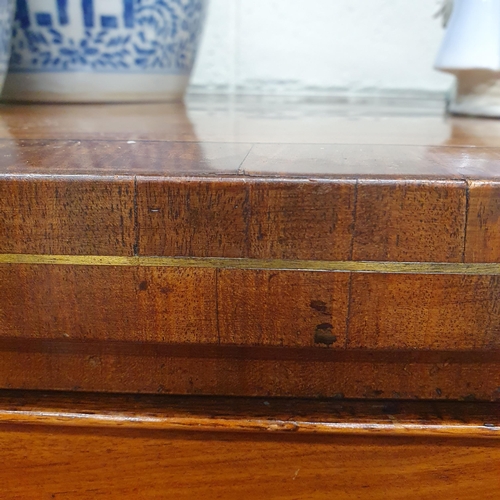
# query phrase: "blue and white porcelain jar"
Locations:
[[6, 15], [103, 50]]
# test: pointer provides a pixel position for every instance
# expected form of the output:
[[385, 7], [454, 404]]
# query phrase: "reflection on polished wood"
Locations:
[[401, 122], [367, 137]]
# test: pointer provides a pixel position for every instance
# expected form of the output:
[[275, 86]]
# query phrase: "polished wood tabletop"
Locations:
[[246, 137]]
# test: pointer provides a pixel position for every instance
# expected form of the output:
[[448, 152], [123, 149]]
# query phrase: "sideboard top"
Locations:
[[250, 138]]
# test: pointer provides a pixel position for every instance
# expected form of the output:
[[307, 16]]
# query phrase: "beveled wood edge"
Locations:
[[192, 413], [257, 264], [248, 177], [123, 420]]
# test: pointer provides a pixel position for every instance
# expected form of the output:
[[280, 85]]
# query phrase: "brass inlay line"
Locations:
[[256, 264]]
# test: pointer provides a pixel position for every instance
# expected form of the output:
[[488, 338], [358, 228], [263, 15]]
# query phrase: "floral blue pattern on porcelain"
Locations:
[[6, 11], [111, 36]]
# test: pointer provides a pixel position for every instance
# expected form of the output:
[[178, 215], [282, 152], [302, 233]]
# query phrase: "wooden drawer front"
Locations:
[[250, 307]]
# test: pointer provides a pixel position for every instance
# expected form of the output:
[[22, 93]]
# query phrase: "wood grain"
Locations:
[[410, 221], [301, 220], [73, 215], [126, 448], [450, 419], [119, 157], [248, 371], [250, 307], [298, 196], [483, 222], [147, 157], [424, 312], [282, 308], [108, 303], [239, 218], [98, 464], [192, 218]]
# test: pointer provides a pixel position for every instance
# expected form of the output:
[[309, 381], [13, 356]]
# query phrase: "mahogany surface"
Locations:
[[105, 446], [267, 202]]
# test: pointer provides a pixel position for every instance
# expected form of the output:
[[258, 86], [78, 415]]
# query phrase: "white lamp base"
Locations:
[[477, 93]]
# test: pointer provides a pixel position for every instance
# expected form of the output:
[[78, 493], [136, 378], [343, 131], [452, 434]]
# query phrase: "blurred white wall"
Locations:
[[321, 47]]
